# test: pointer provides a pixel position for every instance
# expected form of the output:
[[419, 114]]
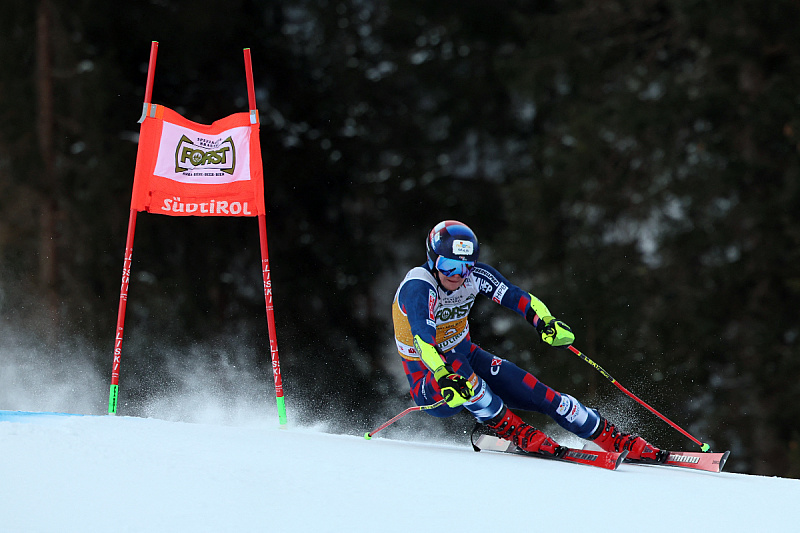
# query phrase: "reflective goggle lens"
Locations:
[[451, 267]]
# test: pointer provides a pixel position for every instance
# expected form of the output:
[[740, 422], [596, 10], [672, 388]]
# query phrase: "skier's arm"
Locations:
[[417, 299], [455, 388], [495, 286]]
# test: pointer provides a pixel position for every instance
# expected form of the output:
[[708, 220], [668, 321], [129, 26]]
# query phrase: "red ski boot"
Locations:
[[509, 426], [607, 437]]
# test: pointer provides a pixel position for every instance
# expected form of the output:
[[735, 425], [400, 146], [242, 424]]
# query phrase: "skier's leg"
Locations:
[[522, 390], [496, 415]]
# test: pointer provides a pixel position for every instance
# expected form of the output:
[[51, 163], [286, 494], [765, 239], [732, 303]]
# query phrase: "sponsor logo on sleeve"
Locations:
[[431, 305], [485, 287], [499, 293], [483, 273]]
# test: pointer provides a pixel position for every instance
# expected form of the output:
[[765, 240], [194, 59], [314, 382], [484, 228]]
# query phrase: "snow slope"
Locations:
[[123, 474]]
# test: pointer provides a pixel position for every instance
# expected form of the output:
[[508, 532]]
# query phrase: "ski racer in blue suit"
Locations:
[[430, 314]]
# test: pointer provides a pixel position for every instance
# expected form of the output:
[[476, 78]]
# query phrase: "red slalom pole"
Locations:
[[703, 446], [273, 342], [401, 415], [248, 68], [113, 394], [151, 73], [265, 271]]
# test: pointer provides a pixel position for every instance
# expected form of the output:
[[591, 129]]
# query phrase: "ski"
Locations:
[[607, 460], [706, 461]]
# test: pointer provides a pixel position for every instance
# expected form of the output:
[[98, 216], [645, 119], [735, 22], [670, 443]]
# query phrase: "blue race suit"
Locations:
[[423, 307]]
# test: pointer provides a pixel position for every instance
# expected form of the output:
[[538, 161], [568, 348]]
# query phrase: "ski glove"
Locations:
[[456, 389], [554, 332]]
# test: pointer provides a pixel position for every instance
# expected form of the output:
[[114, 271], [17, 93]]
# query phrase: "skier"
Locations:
[[430, 314]]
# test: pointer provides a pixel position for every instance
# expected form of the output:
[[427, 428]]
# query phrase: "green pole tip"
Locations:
[[367, 436], [705, 447]]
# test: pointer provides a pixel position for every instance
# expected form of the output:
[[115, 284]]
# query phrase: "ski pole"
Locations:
[[703, 446], [388, 423]]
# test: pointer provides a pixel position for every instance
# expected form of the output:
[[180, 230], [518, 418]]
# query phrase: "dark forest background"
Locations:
[[632, 163]]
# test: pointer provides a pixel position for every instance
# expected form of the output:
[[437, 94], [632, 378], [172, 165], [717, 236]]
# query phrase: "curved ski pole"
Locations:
[[703, 446], [401, 415]]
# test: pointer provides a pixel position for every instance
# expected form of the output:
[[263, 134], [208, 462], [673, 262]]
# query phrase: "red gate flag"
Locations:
[[188, 169]]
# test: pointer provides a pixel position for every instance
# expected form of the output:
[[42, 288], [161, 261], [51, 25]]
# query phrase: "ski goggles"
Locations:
[[450, 267]]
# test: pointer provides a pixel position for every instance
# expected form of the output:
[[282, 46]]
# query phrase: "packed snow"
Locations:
[[72, 473], [210, 456]]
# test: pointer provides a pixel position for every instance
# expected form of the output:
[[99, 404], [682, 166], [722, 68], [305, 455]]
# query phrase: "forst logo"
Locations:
[[205, 155], [448, 313]]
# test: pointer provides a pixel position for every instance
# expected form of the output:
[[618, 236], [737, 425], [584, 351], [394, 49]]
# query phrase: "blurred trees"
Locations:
[[635, 164]]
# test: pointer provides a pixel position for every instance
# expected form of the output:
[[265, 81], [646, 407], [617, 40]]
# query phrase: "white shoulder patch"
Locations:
[[421, 273]]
